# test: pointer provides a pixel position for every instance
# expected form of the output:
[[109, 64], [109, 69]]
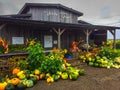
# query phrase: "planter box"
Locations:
[[75, 55]]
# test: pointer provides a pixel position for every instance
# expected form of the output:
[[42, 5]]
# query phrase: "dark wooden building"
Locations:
[[54, 25]]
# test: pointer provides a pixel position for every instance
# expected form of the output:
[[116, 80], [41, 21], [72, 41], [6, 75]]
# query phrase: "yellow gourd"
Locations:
[[15, 81], [3, 85]]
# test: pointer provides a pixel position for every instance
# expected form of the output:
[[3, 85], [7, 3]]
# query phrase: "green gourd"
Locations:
[[29, 83], [10, 87]]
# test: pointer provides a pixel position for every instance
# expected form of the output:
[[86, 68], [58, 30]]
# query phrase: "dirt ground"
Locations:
[[94, 79]]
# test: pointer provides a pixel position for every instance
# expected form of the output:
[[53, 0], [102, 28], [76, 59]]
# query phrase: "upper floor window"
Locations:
[[50, 16], [65, 18]]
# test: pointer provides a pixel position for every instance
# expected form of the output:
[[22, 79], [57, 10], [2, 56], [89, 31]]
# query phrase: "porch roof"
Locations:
[[18, 21]]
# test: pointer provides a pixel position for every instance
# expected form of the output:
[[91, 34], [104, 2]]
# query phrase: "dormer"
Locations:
[[51, 12]]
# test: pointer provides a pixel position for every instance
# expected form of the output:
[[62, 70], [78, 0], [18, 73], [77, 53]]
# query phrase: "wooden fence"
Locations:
[[9, 61]]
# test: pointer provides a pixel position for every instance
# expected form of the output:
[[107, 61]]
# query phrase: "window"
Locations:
[[17, 40], [48, 41], [65, 17], [52, 16]]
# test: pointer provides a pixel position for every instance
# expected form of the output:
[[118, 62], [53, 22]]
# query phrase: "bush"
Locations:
[[51, 66], [53, 62], [16, 48], [118, 44], [36, 55]]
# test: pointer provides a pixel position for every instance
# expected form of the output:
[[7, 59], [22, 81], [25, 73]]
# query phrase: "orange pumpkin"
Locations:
[[15, 71], [41, 76], [15, 81], [3, 85]]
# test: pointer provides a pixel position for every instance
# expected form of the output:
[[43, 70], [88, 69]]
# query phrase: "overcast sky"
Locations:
[[101, 12]]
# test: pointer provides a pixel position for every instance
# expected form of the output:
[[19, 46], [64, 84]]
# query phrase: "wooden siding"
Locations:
[[69, 36], [52, 14], [100, 36]]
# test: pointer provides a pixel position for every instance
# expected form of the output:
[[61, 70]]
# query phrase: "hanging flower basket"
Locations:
[[3, 46]]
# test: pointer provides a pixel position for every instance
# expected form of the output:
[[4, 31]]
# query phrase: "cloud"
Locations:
[[1, 8], [105, 12], [99, 12]]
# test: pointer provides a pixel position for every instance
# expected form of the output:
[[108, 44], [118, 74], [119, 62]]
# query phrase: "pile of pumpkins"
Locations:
[[22, 79], [17, 81], [104, 62]]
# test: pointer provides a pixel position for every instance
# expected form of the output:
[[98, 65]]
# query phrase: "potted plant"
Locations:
[[68, 55]]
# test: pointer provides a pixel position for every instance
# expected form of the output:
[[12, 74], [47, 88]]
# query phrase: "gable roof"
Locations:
[[27, 6]]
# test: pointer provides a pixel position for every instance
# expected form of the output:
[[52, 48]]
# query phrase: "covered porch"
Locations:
[[63, 33]]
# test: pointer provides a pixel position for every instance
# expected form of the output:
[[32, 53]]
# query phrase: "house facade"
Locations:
[[51, 12], [54, 25]]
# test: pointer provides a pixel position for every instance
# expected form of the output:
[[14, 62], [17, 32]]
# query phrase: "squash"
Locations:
[[42, 76], [27, 75], [10, 86], [16, 71], [15, 81], [82, 71], [29, 83], [64, 75], [23, 82], [73, 76], [37, 77], [22, 76], [56, 77], [37, 72], [34, 79], [21, 86], [3, 85]]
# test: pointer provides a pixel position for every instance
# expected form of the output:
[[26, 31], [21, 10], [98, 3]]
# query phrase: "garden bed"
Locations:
[[40, 71], [94, 79]]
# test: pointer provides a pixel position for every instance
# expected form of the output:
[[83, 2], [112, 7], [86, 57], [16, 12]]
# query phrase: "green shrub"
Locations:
[[35, 55], [51, 66], [118, 44], [16, 48]]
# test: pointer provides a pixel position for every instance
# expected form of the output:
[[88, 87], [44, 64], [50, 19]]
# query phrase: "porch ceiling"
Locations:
[[35, 23]]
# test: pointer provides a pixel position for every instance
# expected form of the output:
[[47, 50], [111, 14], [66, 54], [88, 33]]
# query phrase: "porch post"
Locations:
[[115, 39], [87, 41], [59, 33], [87, 33], [2, 26], [113, 32], [59, 39]]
